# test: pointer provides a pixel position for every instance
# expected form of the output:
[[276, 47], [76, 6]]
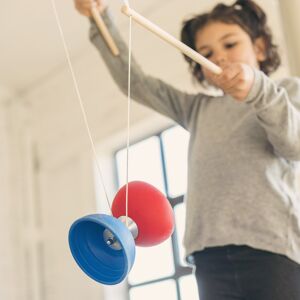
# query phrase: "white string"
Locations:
[[128, 114], [79, 98]]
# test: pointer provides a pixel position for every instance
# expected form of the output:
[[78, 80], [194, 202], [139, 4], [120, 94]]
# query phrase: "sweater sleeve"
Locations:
[[277, 107], [145, 89]]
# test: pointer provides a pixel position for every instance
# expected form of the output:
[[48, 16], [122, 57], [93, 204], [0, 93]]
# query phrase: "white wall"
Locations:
[[47, 171], [7, 219], [290, 16]]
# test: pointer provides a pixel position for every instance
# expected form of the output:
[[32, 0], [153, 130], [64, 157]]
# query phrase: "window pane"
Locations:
[[152, 263], [175, 142], [144, 163], [188, 288], [179, 212], [155, 291]]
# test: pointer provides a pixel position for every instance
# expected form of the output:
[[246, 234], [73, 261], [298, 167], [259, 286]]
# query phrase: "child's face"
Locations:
[[228, 43]]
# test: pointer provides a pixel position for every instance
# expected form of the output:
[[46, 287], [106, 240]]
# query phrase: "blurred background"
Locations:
[[48, 176]]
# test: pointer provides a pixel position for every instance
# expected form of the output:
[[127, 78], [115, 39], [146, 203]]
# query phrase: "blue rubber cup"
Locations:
[[103, 248]]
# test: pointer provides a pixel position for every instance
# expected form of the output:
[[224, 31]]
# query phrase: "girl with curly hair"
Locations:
[[243, 197]]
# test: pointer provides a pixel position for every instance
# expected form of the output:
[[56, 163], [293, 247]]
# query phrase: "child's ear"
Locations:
[[260, 49]]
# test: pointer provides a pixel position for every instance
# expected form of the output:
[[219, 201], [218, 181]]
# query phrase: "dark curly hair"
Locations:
[[245, 13]]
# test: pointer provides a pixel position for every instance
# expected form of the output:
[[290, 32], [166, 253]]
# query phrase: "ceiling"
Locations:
[[34, 70], [31, 49]]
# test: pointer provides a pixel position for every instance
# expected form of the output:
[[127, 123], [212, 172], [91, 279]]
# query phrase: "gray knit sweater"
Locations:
[[244, 158]]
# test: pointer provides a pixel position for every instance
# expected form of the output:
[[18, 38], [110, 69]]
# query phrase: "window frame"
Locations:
[[179, 270]]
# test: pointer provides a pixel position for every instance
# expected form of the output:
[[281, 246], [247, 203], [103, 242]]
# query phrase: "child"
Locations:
[[243, 198]]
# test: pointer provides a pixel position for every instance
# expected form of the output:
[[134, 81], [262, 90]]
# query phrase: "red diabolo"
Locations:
[[149, 209]]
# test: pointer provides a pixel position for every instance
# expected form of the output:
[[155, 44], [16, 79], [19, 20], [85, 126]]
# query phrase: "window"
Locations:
[[148, 170], [168, 277], [175, 145]]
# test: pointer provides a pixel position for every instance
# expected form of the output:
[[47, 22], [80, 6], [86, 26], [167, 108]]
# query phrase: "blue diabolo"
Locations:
[[103, 247]]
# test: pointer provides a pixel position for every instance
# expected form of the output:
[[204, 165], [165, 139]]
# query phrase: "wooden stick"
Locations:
[[171, 40], [104, 31]]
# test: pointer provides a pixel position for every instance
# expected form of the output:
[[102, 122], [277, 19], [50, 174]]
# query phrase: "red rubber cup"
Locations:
[[149, 209]]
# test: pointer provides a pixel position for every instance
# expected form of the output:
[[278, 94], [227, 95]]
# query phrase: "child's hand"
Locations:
[[84, 6], [235, 80]]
